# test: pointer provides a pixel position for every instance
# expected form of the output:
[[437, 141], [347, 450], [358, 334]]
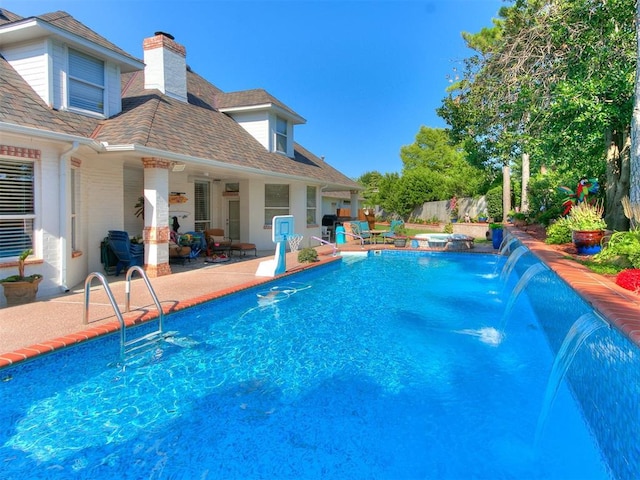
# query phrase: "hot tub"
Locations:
[[442, 241]]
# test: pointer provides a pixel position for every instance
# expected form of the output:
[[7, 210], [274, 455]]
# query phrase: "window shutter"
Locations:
[[86, 82], [16, 207]]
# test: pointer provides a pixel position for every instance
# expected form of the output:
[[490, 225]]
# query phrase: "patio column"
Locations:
[[355, 206], [156, 216]]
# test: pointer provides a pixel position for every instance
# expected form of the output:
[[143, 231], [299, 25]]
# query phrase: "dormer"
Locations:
[[68, 65], [266, 118]]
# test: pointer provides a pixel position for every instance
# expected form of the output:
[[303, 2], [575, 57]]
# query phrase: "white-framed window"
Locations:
[[86, 83], [312, 203], [276, 201], [281, 135], [202, 205], [17, 210]]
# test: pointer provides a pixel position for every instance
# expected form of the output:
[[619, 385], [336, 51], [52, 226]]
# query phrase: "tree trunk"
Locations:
[[617, 183], [634, 187], [524, 201], [506, 191]]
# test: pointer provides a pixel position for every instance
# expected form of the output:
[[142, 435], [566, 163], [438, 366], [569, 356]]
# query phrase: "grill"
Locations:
[[329, 220]]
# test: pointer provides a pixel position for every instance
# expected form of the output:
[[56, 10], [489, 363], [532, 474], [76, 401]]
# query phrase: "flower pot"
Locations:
[[587, 242], [400, 242], [19, 293], [496, 237]]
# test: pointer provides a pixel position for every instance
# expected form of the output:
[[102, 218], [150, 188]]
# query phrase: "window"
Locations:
[[86, 82], [276, 202], [202, 205], [17, 212], [311, 206], [281, 135]]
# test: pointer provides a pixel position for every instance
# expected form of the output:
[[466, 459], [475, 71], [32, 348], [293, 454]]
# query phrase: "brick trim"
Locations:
[[11, 151]]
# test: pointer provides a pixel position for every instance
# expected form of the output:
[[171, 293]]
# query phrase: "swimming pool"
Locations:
[[394, 365]]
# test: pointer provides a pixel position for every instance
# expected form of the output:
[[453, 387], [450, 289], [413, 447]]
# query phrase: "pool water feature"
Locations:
[[384, 367]]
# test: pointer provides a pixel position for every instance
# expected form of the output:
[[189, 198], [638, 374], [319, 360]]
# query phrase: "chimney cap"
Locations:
[[165, 34]]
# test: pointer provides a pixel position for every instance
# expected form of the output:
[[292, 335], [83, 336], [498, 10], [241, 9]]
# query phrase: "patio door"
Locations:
[[233, 220]]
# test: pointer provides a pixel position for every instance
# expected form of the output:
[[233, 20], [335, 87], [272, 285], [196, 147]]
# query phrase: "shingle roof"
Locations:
[[66, 22], [20, 105], [247, 98], [198, 129], [149, 118]]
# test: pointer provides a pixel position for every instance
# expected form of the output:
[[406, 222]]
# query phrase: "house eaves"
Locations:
[[85, 39], [255, 100], [12, 128], [141, 150], [295, 119]]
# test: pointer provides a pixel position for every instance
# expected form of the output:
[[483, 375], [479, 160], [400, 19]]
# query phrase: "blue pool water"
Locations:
[[389, 367]]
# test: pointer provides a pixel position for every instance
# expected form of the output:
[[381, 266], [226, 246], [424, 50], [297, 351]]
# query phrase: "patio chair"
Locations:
[[216, 241], [357, 229], [125, 252], [390, 235]]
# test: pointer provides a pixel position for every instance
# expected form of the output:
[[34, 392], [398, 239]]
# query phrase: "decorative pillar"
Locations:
[[156, 216], [355, 206]]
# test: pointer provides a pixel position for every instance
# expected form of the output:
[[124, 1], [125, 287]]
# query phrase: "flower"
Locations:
[[629, 279]]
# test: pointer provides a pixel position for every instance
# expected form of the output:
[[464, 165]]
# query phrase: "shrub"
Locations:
[[623, 249], [308, 254], [629, 279], [494, 203], [586, 216], [559, 232]]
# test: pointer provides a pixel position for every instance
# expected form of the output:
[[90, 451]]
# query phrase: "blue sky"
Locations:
[[366, 75]]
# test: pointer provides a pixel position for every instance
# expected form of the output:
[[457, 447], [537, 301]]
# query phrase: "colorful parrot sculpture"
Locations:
[[586, 187]]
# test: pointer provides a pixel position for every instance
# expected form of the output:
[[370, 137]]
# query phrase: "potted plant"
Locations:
[[587, 227], [482, 217], [20, 289], [400, 236], [308, 255], [496, 234]]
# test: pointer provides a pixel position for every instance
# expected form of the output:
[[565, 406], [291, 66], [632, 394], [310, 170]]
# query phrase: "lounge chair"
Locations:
[[391, 234], [122, 248], [216, 241], [361, 229]]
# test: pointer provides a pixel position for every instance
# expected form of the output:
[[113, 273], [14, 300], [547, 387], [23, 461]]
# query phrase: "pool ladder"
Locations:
[[127, 347]]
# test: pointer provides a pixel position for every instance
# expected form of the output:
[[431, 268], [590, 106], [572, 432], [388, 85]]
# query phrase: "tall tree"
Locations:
[[566, 67]]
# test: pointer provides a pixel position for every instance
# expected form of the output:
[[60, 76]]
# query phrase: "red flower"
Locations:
[[629, 279]]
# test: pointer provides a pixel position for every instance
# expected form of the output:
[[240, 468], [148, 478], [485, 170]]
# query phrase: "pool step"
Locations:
[[142, 344]]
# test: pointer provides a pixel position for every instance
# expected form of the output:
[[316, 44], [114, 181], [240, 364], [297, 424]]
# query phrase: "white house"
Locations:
[[86, 129]]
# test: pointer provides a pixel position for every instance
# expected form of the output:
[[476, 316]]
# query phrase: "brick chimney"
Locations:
[[165, 66]]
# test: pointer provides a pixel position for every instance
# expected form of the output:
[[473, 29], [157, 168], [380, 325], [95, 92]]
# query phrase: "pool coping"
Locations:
[[621, 307]]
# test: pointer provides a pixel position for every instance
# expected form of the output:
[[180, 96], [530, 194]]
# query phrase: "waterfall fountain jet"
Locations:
[[581, 329], [531, 272]]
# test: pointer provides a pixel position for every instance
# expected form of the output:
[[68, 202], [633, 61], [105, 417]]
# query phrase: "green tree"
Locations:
[[436, 169], [371, 182], [556, 82]]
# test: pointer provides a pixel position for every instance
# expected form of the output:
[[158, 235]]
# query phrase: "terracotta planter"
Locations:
[[587, 242], [19, 293]]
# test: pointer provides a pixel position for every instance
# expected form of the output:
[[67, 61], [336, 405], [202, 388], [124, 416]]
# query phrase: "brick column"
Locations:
[[156, 218]]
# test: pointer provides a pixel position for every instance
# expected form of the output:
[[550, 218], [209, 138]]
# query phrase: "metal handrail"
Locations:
[[324, 242], [112, 300], [127, 304], [355, 236]]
